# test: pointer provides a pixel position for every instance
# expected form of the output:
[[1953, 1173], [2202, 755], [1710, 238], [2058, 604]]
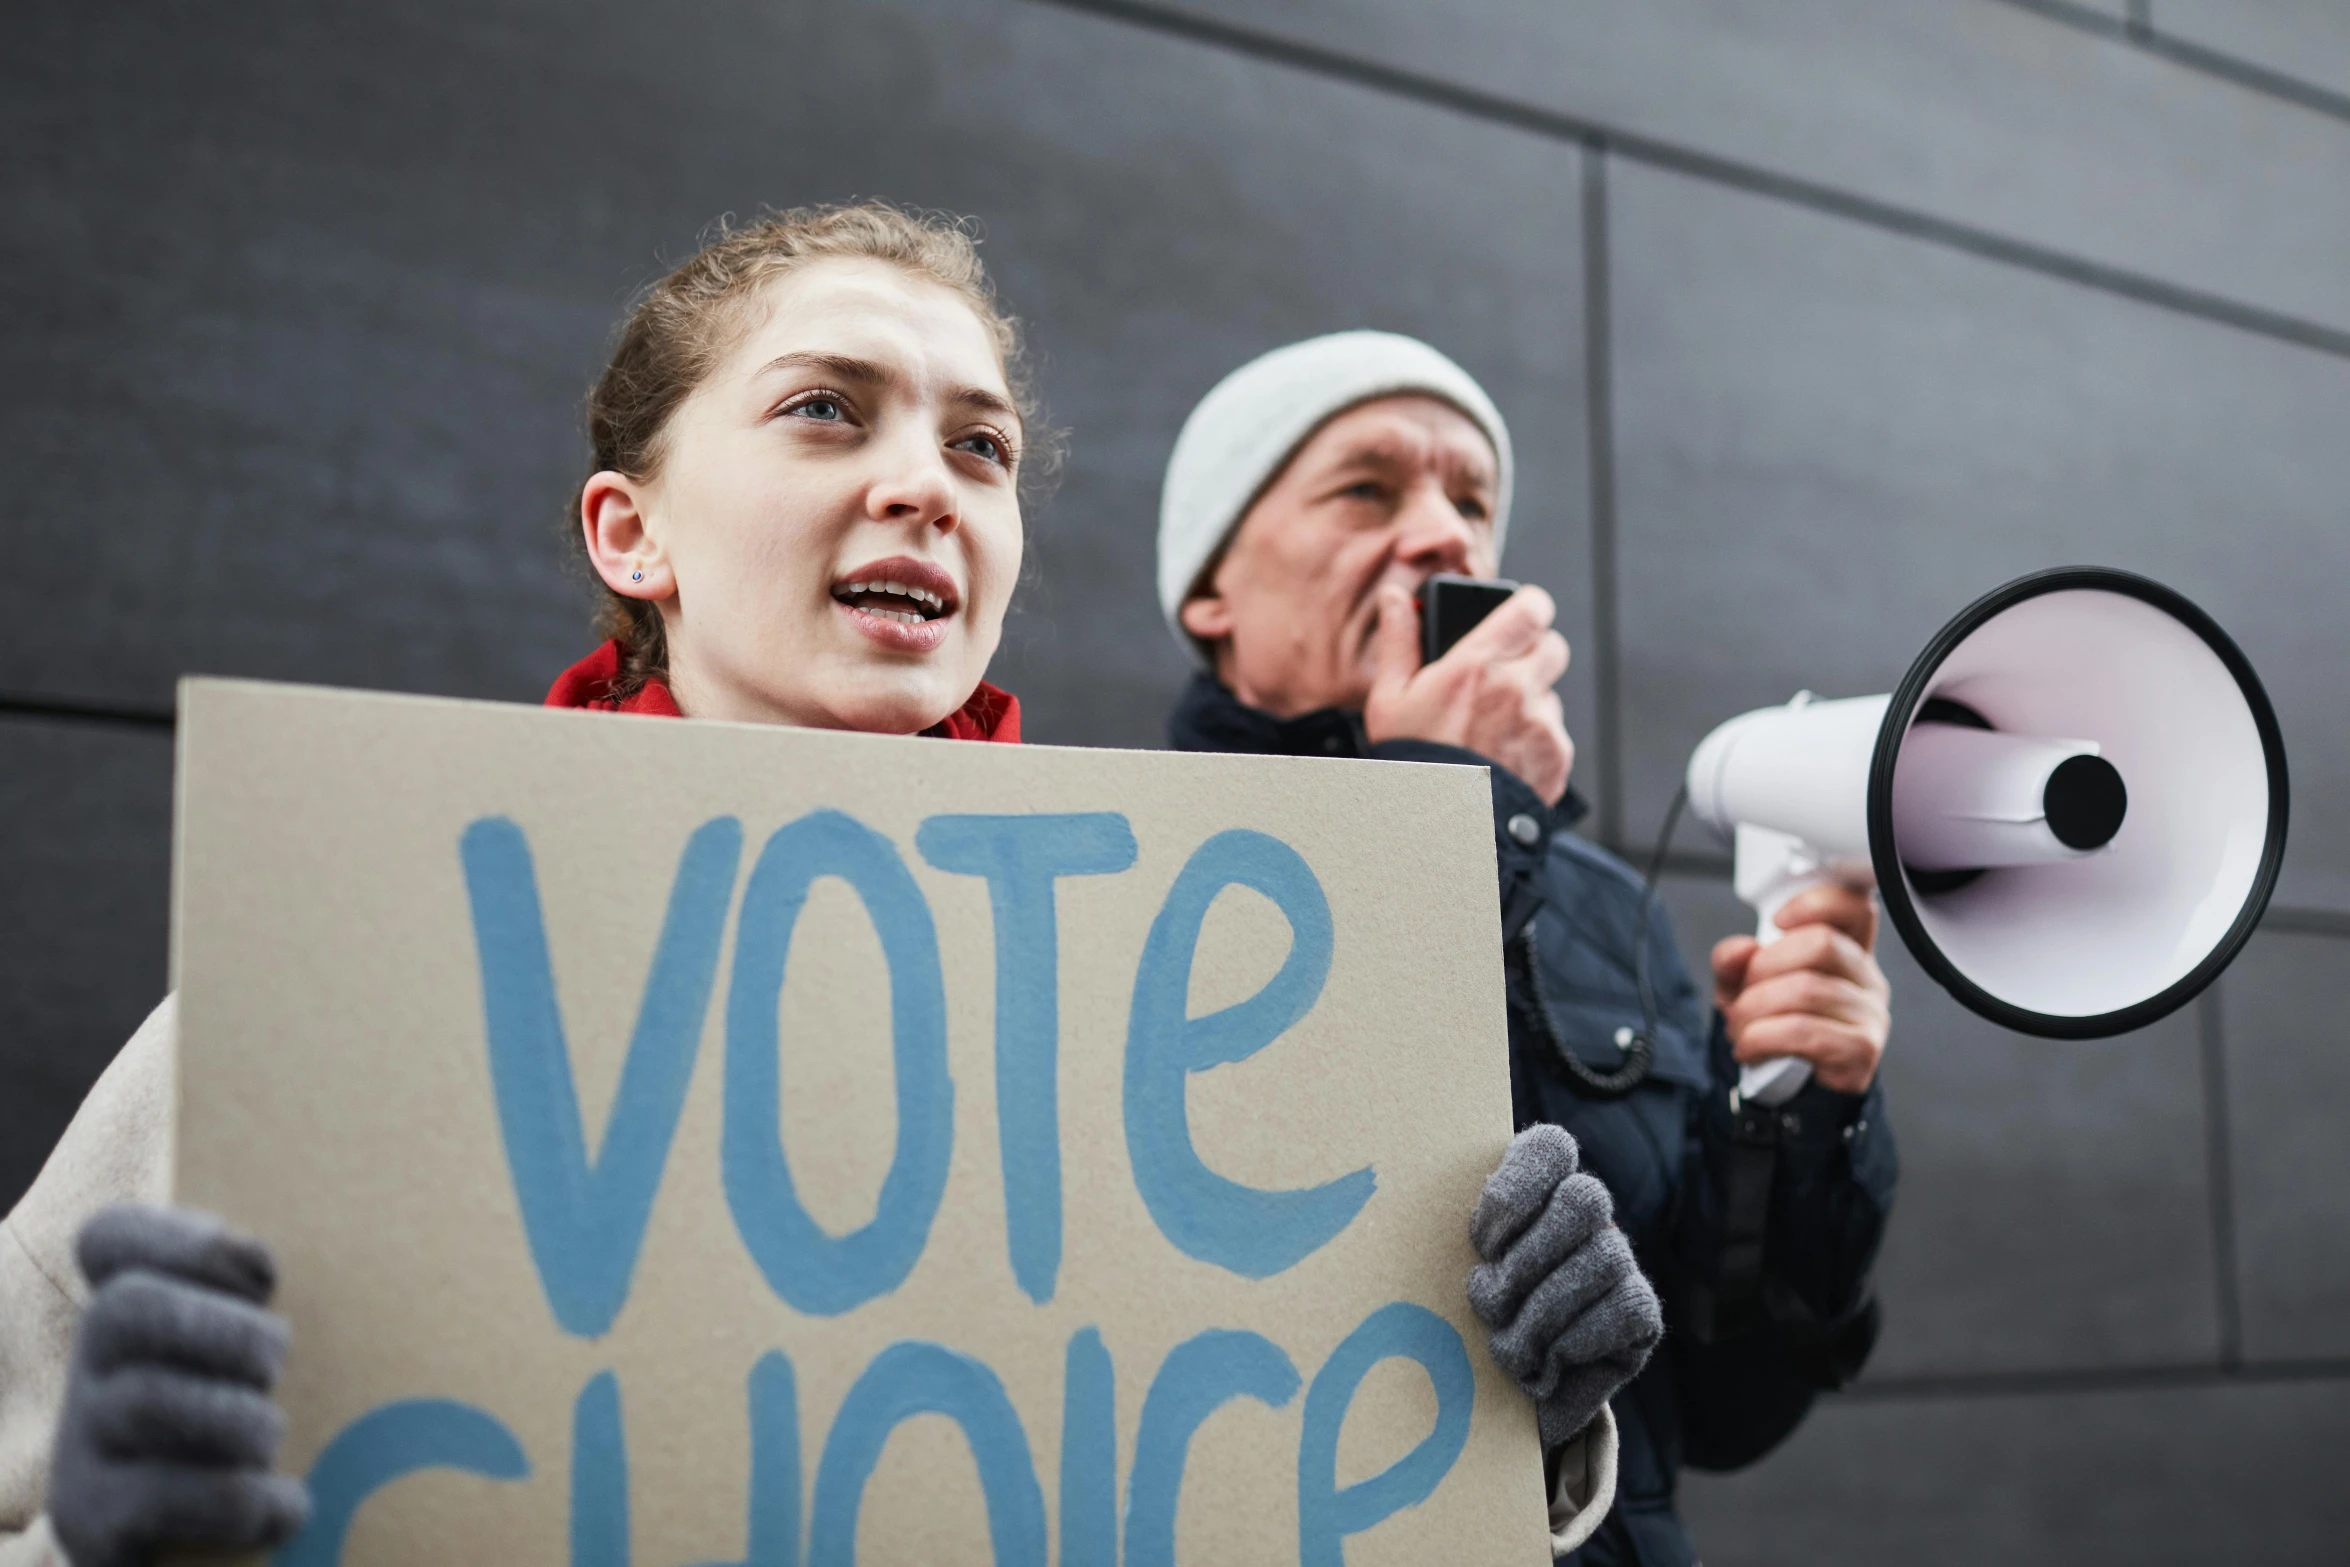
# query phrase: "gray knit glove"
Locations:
[[168, 1429], [1572, 1317]]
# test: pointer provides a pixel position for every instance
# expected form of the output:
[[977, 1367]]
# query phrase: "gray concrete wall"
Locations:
[[1814, 319]]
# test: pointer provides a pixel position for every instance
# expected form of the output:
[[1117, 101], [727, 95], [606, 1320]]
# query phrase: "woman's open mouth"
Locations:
[[902, 603]]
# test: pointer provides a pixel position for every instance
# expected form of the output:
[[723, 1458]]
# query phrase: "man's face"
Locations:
[[1391, 491]]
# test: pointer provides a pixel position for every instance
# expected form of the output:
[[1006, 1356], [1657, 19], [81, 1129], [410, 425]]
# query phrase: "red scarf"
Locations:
[[989, 715]]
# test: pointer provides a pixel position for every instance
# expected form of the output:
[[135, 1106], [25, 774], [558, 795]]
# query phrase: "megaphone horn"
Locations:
[[2074, 805]]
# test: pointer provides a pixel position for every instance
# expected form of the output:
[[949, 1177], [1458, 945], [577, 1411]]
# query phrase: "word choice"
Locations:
[[1199, 1376]]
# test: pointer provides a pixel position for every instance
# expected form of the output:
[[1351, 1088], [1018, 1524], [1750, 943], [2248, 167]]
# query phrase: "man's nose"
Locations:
[[1434, 533]]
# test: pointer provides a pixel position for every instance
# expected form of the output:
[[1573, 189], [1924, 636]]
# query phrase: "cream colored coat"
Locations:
[[118, 1149]]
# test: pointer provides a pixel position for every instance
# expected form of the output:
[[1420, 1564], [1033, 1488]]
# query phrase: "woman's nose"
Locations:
[[914, 488]]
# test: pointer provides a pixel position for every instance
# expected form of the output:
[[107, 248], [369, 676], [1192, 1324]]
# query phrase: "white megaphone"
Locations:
[[2073, 806]]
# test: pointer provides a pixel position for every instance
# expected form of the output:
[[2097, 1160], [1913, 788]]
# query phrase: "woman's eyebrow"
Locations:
[[980, 400], [841, 367], [849, 368]]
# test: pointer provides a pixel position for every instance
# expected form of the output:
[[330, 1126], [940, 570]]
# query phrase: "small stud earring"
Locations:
[[636, 576]]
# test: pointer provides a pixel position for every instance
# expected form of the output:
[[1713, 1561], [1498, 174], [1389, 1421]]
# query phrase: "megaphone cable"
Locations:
[[1656, 868], [1639, 1047]]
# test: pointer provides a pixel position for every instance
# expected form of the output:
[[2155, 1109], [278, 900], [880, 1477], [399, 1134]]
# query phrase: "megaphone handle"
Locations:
[[1776, 1082], [1771, 868]]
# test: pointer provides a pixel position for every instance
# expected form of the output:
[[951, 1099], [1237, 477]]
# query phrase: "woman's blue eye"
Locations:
[[982, 446], [823, 408], [1365, 490]]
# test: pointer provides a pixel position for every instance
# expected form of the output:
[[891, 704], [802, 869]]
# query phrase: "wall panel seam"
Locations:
[[78, 710], [1600, 436], [2139, 32], [2117, 1379], [2219, 1162], [1949, 233]]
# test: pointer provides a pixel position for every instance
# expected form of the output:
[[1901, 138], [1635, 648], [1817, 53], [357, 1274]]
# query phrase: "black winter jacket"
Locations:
[[1765, 1305]]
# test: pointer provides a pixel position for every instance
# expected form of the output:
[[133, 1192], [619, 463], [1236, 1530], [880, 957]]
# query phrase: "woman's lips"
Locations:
[[901, 603], [899, 636]]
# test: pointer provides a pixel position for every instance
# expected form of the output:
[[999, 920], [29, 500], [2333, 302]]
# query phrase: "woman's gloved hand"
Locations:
[[1573, 1318], [168, 1430]]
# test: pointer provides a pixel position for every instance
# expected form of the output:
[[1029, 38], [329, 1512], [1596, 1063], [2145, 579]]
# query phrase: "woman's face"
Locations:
[[833, 529]]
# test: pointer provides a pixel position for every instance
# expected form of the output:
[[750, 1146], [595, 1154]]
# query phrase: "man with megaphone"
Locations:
[[1311, 496]]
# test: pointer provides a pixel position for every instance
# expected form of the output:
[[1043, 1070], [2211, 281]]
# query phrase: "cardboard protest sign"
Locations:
[[691, 1142]]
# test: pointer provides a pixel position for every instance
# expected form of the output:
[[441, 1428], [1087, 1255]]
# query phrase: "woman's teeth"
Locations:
[[852, 592], [918, 595]]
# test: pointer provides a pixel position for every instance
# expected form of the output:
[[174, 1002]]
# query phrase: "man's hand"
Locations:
[[1573, 1317], [168, 1431], [1816, 992], [1490, 694]]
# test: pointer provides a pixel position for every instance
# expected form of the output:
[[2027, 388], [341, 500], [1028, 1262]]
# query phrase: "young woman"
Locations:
[[805, 510], [806, 506]]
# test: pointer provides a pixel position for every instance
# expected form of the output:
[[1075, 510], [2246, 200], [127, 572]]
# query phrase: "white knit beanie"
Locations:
[[1244, 432]]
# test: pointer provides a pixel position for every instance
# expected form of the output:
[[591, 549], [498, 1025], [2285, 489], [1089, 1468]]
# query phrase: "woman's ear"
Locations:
[[620, 540]]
